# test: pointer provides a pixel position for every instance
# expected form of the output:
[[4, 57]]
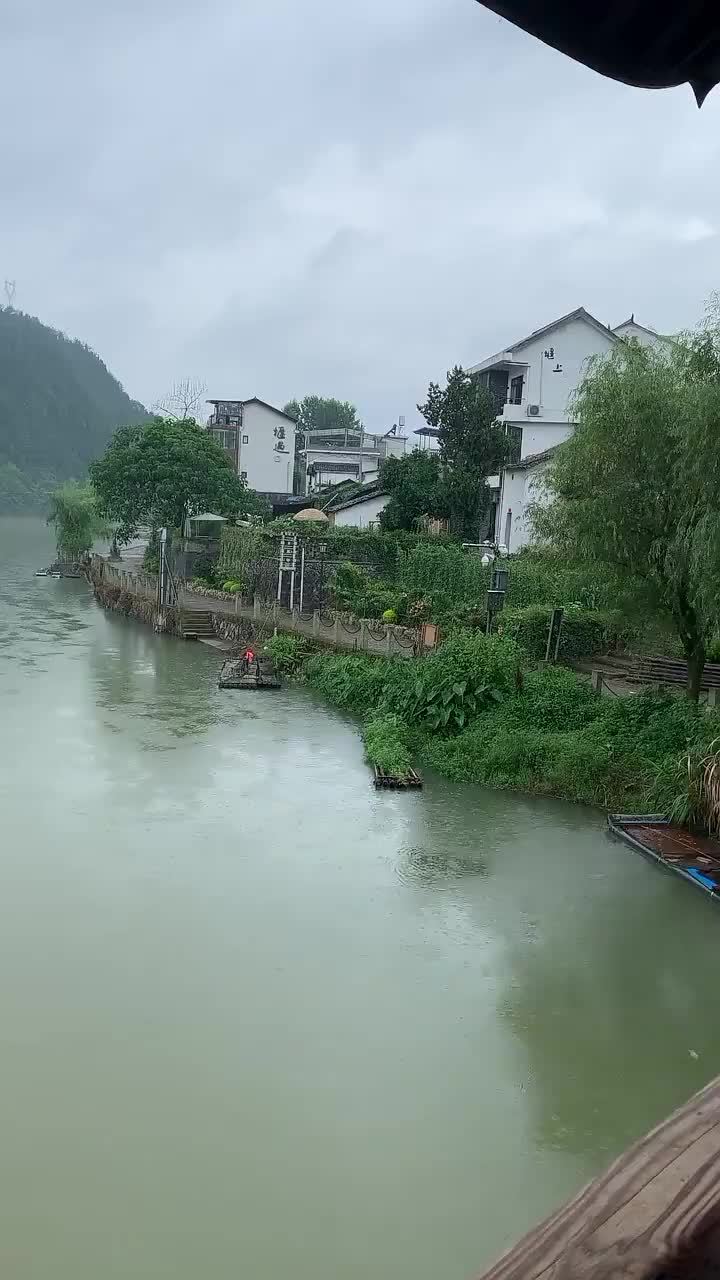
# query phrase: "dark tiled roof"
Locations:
[[531, 461]]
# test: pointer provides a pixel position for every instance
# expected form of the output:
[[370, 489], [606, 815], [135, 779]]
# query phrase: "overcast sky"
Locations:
[[291, 196]]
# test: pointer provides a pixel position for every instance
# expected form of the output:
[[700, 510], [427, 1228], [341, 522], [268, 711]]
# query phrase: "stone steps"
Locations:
[[199, 623]]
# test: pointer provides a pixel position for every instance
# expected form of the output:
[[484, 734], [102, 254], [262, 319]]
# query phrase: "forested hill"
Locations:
[[59, 406]]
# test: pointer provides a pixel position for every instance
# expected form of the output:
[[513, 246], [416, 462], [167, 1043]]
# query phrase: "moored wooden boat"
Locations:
[[694, 857]]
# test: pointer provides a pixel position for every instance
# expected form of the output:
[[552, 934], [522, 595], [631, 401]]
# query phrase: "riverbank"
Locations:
[[477, 710]]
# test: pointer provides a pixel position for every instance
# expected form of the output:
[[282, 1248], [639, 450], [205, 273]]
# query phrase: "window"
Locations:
[[246, 439], [514, 436], [516, 388], [243, 475], [225, 438]]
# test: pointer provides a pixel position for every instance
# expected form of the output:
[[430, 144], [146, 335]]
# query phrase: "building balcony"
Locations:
[[513, 410]]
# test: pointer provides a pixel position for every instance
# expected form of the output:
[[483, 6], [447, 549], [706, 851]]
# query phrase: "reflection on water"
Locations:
[[260, 1019]]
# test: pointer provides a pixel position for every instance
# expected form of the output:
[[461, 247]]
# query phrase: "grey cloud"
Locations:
[[284, 198]]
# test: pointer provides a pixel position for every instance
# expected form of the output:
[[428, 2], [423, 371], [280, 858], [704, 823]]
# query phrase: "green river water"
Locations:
[[257, 1020]]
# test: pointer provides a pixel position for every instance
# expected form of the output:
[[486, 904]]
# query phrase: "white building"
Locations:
[[361, 511], [534, 381], [259, 441], [330, 456]]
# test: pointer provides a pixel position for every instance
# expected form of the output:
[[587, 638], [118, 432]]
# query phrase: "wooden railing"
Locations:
[[654, 1215]]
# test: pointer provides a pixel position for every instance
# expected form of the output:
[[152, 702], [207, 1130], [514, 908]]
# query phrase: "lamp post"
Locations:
[[497, 590]]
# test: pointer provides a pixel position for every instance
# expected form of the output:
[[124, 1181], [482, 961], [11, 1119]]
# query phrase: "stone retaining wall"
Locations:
[[134, 606]]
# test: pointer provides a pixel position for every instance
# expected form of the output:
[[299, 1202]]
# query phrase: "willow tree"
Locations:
[[75, 513], [636, 485]]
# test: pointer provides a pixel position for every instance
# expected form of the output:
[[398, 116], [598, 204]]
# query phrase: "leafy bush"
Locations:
[[584, 631], [349, 582], [353, 682], [445, 576], [444, 691], [232, 586], [556, 737], [354, 591], [390, 616], [289, 653], [386, 739]]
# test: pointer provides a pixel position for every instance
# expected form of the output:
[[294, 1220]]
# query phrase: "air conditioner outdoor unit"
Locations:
[[533, 411]]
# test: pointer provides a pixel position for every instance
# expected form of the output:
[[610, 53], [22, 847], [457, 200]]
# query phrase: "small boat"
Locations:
[[694, 857]]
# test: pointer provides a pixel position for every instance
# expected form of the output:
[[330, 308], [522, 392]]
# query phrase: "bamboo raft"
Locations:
[[232, 676], [396, 781], [694, 857]]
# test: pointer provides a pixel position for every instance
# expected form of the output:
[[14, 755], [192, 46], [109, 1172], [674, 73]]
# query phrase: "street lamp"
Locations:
[[498, 587]]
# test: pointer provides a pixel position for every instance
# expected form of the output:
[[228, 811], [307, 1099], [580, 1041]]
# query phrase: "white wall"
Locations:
[[519, 489], [643, 336], [572, 345], [362, 514], [266, 457], [539, 435], [395, 446]]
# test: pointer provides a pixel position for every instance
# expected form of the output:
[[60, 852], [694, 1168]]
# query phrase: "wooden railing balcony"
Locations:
[[653, 1215]]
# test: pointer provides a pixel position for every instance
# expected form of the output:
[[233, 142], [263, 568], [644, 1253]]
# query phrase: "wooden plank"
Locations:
[[655, 1212], [674, 671]]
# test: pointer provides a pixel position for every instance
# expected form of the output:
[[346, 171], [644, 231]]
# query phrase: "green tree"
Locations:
[[416, 489], [636, 485], [321, 413], [163, 472], [75, 513], [318, 413], [472, 447]]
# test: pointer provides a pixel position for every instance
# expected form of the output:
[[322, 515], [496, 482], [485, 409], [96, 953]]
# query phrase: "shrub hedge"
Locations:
[[584, 631]]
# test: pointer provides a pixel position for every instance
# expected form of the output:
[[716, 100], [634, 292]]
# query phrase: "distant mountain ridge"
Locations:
[[59, 405]]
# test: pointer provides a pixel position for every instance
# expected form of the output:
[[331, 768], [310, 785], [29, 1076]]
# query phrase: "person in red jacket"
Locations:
[[249, 657]]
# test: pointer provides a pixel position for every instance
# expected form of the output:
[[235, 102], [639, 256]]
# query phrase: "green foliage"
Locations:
[[58, 408], [232, 585], [354, 591], [635, 486], [289, 653], [353, 682], [390, 615], [451, 686], [160, 473], [78, 524], [443, 691], [323, 413], [386, 739], [472, 447], [415, 486], [556, 737], [349, 583], [584, 631], [445, 575]]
